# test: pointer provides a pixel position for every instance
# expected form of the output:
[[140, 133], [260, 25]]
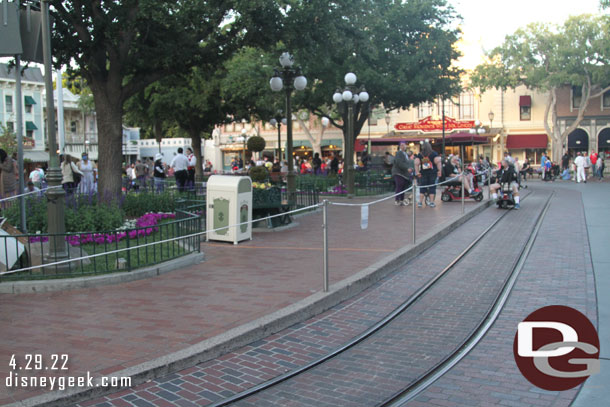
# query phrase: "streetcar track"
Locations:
[[423, 382], [371, 330]]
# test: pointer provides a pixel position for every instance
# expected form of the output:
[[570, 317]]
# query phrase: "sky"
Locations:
[[487, 22]]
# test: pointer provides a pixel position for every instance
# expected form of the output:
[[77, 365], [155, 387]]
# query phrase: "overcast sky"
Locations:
[[487, 22]]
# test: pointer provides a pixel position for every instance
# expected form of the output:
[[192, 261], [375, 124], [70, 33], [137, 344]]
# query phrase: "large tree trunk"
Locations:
[[196, 143], [109, 108]]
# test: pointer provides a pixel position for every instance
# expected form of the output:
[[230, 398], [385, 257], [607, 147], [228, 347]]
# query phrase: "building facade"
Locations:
[[593, 132], [32, 105]]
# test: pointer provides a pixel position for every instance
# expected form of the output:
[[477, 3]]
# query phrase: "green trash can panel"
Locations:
[[221, 215], [244, 185], [243, 217]]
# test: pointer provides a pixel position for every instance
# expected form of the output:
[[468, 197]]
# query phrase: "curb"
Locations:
[[43, 286], [260, 328]]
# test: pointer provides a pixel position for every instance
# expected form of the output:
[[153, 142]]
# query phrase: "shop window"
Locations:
[[606, 100], [466, 106], [576, 97], [425, 109], [525, 112]]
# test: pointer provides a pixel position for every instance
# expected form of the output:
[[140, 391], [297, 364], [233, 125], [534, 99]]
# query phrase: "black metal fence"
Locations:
[[100, 253]]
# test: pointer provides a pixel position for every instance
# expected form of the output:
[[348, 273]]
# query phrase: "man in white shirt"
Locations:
[[180, 165], [190, 182], [580, 162]]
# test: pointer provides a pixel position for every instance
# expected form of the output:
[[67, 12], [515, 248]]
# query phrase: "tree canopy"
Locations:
[[546, 58], [122, 47], [401, 51]]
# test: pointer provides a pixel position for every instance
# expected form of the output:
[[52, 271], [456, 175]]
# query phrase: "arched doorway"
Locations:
[[578, 140], [603, 141]]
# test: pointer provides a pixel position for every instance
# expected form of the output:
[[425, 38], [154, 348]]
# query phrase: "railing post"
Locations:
[[489, 183], [414, 204], [463, 196], [325, 241]]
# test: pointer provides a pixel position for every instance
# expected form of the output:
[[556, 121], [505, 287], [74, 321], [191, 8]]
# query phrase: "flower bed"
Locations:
[[145, 225]]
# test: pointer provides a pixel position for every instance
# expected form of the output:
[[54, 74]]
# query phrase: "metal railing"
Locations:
[[113, 251]]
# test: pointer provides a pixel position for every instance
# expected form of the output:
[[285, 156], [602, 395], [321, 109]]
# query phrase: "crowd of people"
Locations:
[[428, 169], [316, 165]]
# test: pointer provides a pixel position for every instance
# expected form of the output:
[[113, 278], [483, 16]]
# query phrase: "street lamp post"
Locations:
[[351, 96], [277, 123], [294, 80], [243, 138], [55, 196], [476, 130], [491, 120]]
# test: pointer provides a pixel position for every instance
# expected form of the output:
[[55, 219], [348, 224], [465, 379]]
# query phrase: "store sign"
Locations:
[[429, 124]]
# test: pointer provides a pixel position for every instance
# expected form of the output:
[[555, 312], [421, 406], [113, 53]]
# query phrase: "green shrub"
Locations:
[[36, 214], [256, 143], [258, 174], [136, 205], [84, 215]]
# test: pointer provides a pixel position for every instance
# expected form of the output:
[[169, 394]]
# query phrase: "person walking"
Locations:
[[600, 167], [565, 161], [428, 169], [190, 182], [159, 173], [87, 168], [543, 161], [580, 163], [70, 175], [180, 165], [402, 172], [8, 180]]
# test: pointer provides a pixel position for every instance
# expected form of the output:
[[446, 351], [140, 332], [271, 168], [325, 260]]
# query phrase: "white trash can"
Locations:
[[229, 201]]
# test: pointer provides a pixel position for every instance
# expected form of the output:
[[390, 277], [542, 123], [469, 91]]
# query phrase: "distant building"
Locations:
[[32, 103], [169, 147]]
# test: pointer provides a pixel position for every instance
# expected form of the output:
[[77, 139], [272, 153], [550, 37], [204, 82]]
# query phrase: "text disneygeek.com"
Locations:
[[15, 380]]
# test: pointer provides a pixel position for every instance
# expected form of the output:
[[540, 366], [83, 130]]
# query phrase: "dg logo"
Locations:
[[556, 348]]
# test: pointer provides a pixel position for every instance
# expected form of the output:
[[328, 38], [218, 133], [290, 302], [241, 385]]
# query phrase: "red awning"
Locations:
[[525, 100], [516, 141], [360, 146]]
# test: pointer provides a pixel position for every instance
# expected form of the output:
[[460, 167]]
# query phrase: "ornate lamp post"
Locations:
[[243, 138], [277, 123], [58, 249], [294, 80], [350, 96]]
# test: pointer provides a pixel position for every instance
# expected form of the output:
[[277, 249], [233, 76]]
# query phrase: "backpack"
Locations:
[[75, 175], [426, 164]]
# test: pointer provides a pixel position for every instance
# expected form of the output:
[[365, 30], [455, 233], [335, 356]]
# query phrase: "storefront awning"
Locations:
[[36, 156], [525, 100], [465, 138], [30, 126], [29, 101], [335, 143], [521, 141]]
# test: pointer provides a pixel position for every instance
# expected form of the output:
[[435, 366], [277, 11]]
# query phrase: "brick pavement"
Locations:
[[300, 343], [558, 271], [106, 329], [419, 338]]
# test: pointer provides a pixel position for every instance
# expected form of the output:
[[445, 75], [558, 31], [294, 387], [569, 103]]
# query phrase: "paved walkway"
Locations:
[[107, 329], [559, 270]]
